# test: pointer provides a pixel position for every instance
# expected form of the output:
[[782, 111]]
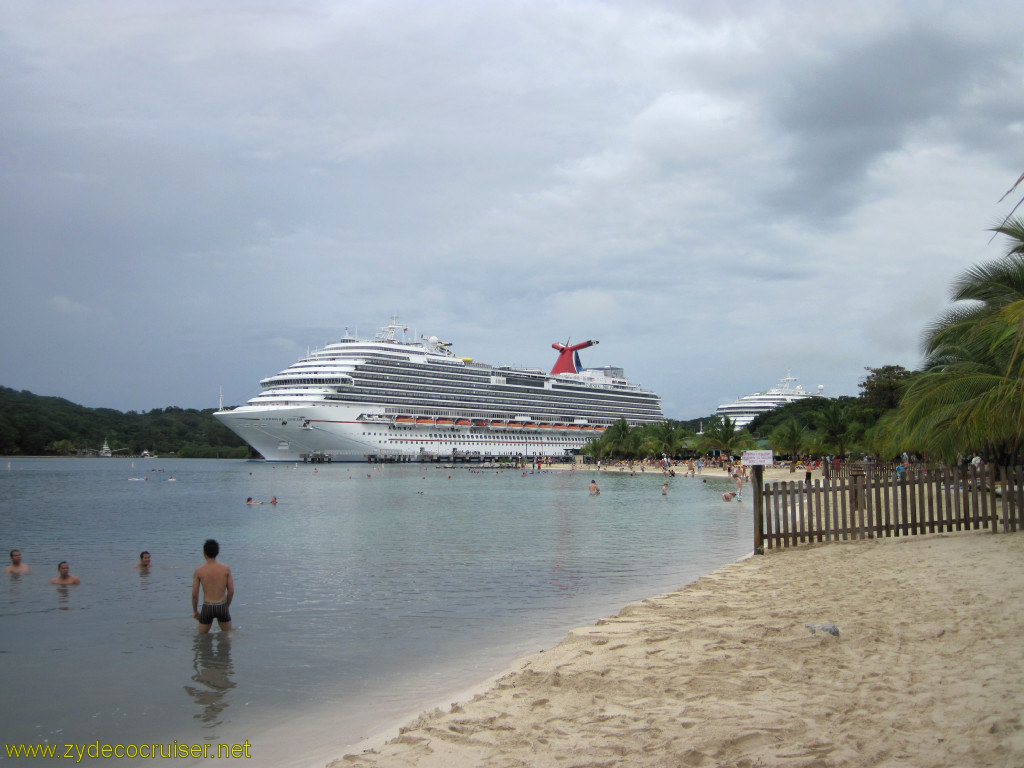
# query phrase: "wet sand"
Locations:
[[927, 670]]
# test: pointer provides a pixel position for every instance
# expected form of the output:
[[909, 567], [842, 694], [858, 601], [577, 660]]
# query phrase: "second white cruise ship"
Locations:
[[747, 408], [396, 399]]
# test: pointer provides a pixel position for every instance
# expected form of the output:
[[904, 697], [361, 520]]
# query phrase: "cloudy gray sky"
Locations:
[[195, 193]]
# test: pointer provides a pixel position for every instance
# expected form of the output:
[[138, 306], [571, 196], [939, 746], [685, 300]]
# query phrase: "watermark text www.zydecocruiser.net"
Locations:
[[96, 750]]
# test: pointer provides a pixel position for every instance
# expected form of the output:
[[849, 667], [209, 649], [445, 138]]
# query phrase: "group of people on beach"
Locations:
[[213, 579]]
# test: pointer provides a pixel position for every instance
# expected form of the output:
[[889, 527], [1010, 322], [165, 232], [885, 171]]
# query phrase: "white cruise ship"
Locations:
[[746, 409], [398, 399]]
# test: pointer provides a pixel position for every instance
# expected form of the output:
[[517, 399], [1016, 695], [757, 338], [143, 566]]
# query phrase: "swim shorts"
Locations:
[[211, 611]]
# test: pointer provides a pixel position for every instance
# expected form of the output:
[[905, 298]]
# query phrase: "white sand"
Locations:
[[928, 670]]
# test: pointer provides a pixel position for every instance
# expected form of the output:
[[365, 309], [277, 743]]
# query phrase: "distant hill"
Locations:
[[34, 425]]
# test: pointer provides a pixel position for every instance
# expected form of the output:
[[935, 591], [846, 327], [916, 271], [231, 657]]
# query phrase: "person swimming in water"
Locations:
[[16, 567], [64, 575]]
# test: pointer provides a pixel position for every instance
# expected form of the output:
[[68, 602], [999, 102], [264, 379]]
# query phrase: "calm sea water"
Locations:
[[363, 596]]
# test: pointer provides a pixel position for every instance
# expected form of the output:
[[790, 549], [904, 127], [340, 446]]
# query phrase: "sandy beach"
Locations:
[[740, 669]]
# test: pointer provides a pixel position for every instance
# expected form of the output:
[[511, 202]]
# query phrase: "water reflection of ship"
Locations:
[[212, 671]]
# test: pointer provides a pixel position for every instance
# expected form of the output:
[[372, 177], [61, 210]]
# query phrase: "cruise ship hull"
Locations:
[[341, 433]]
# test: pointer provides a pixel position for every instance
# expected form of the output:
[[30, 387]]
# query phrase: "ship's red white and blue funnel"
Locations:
[[568, 360]]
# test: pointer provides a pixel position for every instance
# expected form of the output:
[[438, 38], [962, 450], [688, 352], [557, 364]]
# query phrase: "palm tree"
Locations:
[[721, 434], [1010, 192], [835, 428], [665, 438], [648, 448], [614, 441], [970, 395], [791, 438], [995, 292]]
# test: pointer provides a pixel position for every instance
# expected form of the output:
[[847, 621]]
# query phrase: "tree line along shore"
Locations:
[[36, 425]]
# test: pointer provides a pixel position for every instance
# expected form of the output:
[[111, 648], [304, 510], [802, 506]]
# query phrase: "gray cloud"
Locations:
[[192, 195]]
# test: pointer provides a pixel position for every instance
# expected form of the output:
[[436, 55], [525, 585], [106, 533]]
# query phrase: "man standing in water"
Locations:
[[218, 590], [16, 566], [64, 575]]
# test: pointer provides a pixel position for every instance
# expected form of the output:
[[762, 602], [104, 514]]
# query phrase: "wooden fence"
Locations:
[[856, 468], [874, 504]]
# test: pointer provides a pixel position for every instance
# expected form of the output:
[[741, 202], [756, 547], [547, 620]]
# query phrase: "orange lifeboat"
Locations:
[[403, 420], [445, 421], [424, 420], [462, 422]]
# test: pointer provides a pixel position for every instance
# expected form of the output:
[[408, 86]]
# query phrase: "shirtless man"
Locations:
[[594, 490], [218, 590], [143, 564], [16, 565], [65, 576]]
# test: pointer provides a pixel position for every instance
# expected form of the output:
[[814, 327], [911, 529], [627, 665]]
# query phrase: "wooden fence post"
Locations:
[[758, 508]]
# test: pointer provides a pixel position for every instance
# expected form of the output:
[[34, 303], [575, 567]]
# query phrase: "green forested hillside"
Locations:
[[33, 425]]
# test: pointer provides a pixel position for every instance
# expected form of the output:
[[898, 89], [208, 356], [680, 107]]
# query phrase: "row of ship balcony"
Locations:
[[510, 423]]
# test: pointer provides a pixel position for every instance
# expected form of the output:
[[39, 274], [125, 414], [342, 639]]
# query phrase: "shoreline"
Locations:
[[926, 670], [776, 472], [389, 728]]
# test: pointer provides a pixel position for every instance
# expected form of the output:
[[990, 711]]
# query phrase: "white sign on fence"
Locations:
[[755, 458]]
